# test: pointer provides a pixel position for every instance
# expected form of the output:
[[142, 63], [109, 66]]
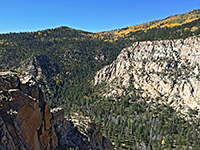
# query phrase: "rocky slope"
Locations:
[[27, 122], [40, 68], [167, 71]]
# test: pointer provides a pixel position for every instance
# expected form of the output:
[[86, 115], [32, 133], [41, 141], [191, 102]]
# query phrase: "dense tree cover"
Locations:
[[169, 22], [132, 123], [61, 44], [128, 121], [165, 33]]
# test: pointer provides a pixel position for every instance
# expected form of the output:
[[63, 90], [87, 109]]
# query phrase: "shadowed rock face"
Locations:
[[27, 122], [24, 104], [97, 140], [39, 68], [166, 69]]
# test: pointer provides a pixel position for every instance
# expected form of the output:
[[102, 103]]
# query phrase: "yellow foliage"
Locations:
[[58, 78], [7, 43], [185, 29], [163, 142], [95, 36], [190, 20], [169, 22], [85, 97], [75, 38], [194, 29], [171, 25]]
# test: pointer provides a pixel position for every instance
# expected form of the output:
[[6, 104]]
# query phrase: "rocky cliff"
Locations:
[[27, 122], [166, 71], [40, 68]]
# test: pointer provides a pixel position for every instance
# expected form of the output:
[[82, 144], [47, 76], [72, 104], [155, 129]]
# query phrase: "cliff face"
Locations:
[[167, 70], [27, 122], [29, 115], [41, 69]]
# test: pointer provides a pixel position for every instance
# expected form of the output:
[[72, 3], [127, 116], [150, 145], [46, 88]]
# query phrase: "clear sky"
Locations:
[[89, 15]]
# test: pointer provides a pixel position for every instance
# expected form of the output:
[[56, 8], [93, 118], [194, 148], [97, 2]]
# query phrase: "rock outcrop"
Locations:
[[166, 70], [24, 104], [97, 140], [67, 133], [27, 122], [39, 68]]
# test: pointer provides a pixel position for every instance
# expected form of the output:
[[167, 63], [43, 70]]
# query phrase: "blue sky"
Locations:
[[89, 15]]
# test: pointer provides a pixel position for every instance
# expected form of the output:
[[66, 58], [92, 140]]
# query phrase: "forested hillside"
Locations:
[[152, 95], [172, 27], [67, 59]]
